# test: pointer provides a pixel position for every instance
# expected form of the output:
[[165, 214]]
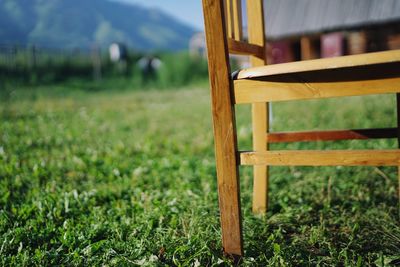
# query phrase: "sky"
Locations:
[[187, 11]]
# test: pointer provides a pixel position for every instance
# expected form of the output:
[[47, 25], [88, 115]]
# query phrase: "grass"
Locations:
[[121, 178]]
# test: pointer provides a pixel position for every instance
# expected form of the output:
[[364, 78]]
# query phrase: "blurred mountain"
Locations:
[[81, 23]]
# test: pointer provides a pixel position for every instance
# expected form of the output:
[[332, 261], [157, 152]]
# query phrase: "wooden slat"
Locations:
[[229, 18], [305, 45], [376, 79], [260, 116], [242, 48], [237, 19], [322, 64], [360, 134], [322, 158], [224, 128], [308, 49], [256, 30]]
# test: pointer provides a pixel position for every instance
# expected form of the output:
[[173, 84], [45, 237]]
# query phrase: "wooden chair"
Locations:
[[372, 73]]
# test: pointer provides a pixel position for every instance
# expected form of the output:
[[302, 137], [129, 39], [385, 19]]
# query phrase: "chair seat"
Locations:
[[365, 74], [362, 60]]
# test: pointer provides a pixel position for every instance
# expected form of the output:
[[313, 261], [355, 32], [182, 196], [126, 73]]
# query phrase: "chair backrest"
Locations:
[[255, 45]]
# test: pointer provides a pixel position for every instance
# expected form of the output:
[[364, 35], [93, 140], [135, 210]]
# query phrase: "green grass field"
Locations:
[[127, 178]]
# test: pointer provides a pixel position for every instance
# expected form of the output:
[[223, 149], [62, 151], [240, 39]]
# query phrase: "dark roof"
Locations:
[[286, 18]]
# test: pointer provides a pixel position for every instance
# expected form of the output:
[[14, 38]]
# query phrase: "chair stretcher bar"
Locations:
[[322, 158], [335, 135]]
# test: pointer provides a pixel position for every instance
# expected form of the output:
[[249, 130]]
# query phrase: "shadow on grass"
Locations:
[[356, 227]]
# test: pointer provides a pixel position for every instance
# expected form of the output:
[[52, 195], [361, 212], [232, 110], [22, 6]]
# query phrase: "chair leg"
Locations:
[[228, 185], [260, 183], [224, 125]]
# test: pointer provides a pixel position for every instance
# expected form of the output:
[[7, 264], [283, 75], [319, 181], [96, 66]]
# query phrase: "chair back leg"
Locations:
[[260, 115]]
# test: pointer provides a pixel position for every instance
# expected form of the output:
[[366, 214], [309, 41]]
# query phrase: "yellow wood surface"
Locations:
[[228, 18], [260, 182], [322, 64], [255, 29], [332, 135], [322, 158], [224, 127], [259, 110], [301, 87], [308, 49], [237, 19], [242, 48]]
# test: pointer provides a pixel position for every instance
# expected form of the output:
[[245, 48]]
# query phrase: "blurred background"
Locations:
[[161, 43], [139, 43]]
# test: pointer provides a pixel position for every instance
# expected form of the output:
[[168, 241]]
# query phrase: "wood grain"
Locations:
[[237, 19], [308, 50], [256, 30], [259, 110], [376, 79], [322, 158], [242, 48], [228, 18], [260, 182], [224, 127], [333, 135], [322, 64]]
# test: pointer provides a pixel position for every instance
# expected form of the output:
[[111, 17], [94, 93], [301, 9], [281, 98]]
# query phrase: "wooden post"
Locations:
[[224, 127], [228, 18], [96, 62], [308, 49], [255, 14], [357, 43], [14, 52], [305, 44], [393, 41], [237, 19]]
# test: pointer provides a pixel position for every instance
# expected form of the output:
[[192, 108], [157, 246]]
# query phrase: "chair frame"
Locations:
[[358, 75]]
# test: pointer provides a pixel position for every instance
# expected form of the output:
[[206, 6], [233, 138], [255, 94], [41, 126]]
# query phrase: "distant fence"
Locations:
[[36, 60], [11, 55], [44, 65]]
